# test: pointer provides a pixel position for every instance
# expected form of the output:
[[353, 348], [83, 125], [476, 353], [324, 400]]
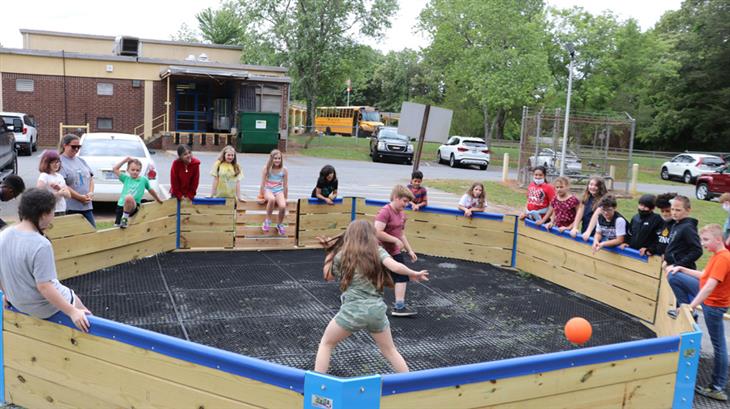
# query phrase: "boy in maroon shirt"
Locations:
[[390, 223], [420, 194], [185, 174]]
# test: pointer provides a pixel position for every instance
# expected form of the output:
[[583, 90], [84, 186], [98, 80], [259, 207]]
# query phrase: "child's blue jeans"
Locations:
[[715, 327], [684, 286]]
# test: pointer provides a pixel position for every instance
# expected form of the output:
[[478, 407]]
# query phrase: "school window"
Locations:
[[103, 123], [104, 88], [24, 85]]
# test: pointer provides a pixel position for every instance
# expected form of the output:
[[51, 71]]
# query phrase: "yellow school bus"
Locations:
[[362, 120]]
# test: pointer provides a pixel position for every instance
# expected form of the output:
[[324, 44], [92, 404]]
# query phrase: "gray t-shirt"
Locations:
[[25, 260], [77, 175]]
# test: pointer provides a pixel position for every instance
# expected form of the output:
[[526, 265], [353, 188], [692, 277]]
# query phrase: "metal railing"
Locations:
[[163, 124], [73, 128]]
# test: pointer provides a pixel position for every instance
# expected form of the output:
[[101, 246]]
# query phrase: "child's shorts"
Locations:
[[120, 213], [399, 278], [363, 314]]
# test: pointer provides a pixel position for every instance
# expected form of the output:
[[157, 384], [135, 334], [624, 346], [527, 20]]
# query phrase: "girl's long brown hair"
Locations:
[[482, 198], [270, 161], [599, 194], [359, 249]]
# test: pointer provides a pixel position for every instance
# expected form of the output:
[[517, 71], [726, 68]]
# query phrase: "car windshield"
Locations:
[[476, 144], [371, 116], [391, 133], [112, 147]]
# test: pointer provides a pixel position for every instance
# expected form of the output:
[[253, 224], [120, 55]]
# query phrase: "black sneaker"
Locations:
[[403, 312], [711, 393]]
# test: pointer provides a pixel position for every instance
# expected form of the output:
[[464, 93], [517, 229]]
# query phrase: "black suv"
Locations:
[[8, 154], [389, 144]]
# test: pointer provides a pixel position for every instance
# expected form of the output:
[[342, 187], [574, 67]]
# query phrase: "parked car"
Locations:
[[550, 159], [689, 166], [463, 150], [714, 184], [387, 143], [102, 151], [26, 132], [8, 154]]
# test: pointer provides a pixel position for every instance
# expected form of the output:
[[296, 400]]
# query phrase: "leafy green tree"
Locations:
[[312, 34], [220, 26], [691, 104], [492, 53]]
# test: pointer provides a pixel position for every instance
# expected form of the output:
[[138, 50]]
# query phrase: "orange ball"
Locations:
[[578, 330]]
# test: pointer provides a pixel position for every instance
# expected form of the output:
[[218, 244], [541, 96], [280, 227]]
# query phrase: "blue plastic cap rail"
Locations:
[[252, 368], [316, 200], [442, 210], [628, 252], [509, 368], [209, 200]]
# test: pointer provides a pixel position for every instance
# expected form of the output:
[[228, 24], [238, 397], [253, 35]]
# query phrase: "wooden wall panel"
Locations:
[[68, 367], [601, 384]]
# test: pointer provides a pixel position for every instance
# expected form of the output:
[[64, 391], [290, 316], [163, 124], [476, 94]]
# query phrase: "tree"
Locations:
[[186, 34], [220, 26], [312, 34], [691, 103], [492, 53]]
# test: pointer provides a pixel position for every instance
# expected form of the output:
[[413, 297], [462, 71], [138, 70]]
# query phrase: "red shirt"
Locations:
[[718, 268], [395, 222], [184, 178], [539, 196], [564, 210]]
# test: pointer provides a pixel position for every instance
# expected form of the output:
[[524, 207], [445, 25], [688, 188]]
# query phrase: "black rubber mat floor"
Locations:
[[275, 306]]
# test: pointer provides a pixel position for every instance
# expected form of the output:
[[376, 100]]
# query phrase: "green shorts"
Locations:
[[363, 314]]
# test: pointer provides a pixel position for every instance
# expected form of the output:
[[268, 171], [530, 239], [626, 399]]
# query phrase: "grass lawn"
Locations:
[[345, 147], [505, 195]]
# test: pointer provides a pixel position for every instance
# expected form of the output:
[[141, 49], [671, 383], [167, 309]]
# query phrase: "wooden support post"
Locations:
[[611, 175], [634, 178], [505, 167]]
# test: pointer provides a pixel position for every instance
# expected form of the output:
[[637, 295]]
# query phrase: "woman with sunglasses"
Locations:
[[79, 179]]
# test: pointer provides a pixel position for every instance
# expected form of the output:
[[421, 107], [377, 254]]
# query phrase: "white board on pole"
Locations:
[[411, 118]]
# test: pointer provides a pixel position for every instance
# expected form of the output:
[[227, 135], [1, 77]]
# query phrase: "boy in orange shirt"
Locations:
[[714, 295]]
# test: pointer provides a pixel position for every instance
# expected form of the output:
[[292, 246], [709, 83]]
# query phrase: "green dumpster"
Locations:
[[258, 131]]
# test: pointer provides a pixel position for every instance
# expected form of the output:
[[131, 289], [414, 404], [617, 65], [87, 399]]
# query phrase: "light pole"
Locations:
[[571, 51]]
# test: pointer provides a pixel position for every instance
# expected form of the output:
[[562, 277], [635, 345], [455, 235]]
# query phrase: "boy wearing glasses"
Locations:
[[79, 179]]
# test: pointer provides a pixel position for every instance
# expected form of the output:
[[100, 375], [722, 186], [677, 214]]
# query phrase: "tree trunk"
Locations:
[[485, 112], [501, 119]]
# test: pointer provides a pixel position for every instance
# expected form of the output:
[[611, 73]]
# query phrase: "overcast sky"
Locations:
[[159, 19]]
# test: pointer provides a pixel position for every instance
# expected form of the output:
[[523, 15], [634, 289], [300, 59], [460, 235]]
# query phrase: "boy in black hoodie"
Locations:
[[683, 250], [684, 246], [642, 234], [664, 204]]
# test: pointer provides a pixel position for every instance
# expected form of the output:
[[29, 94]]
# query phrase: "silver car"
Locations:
[[550, 159], [102, 151]]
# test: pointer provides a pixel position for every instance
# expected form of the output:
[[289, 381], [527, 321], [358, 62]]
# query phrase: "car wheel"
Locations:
[[664, 174], [35, 145], [453, 162], [13, 166], [687, 177], [484, 167], [28, 149], [438, 157], [328, 131], [702, 192]]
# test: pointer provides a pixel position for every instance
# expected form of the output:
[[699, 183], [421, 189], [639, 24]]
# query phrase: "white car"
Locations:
[[550, 159], [102, 151], [25, 130], [464, 150], [689, 166]]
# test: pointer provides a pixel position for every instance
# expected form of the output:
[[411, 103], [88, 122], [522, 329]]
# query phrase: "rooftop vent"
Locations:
[[190, 57], [203, 57], [128, 46]]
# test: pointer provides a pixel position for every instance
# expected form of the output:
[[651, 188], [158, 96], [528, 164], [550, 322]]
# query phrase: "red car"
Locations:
[[713, 184]]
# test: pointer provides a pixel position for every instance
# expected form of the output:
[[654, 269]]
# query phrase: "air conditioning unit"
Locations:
[[124, 45]]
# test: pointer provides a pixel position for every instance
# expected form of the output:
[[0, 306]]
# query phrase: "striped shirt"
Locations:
[[419, 194]]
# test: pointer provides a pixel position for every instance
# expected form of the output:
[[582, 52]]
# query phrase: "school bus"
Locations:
[[363, 120]]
